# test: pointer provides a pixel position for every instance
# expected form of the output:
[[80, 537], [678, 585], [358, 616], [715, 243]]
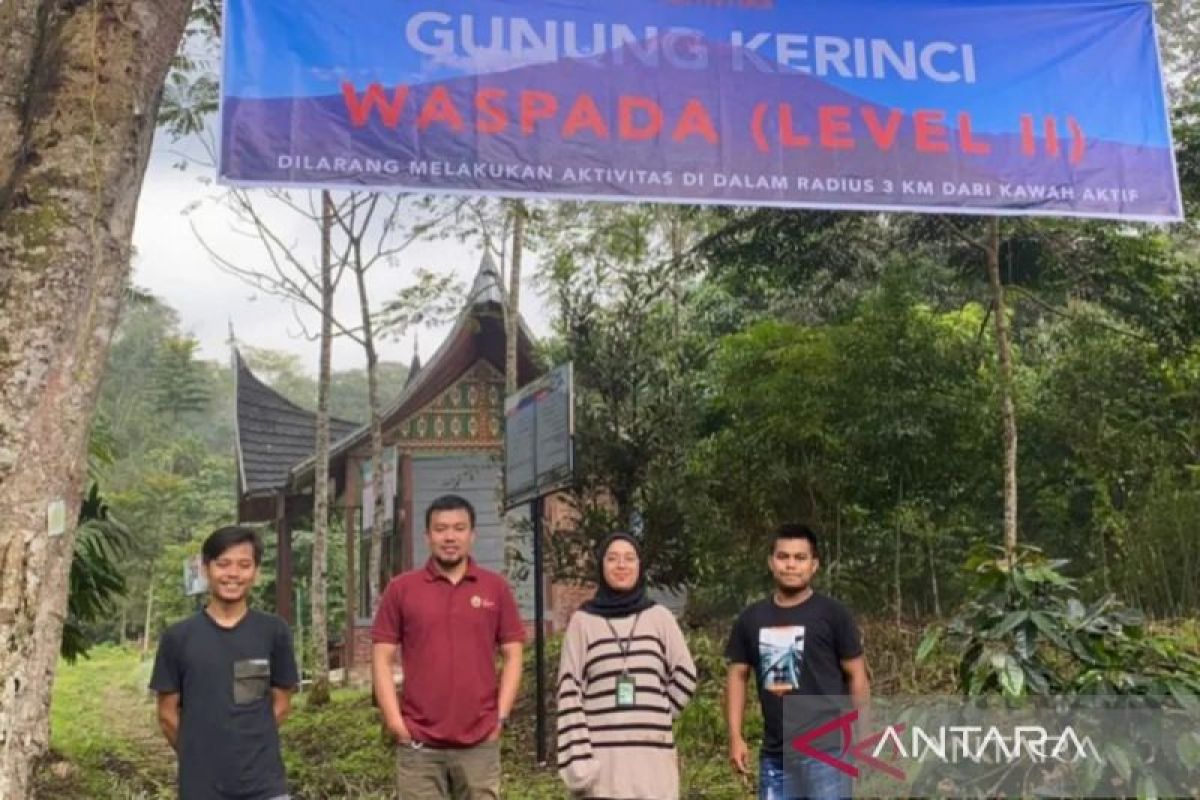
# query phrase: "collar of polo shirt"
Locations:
[[432, 574]]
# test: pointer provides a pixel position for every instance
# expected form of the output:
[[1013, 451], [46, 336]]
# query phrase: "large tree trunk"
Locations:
[[373, 577], [319, 694], [80, 85], [1008, 410]]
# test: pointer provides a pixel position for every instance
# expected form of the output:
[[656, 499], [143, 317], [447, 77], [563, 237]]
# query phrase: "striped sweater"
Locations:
[[622, 753]]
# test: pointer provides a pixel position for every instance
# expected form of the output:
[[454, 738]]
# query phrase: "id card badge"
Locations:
[[626, 691]]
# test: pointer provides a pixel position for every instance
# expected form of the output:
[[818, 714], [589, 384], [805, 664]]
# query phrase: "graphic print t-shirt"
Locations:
[[793, 650]]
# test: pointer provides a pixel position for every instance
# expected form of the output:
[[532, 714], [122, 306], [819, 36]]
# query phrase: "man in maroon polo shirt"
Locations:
[[448, 619]]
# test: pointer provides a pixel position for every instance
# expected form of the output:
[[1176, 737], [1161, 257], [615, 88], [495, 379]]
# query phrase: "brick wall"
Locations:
[[566, 599], [362, 645]]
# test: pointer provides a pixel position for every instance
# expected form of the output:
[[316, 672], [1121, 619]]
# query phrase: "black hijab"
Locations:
[[608, 602]]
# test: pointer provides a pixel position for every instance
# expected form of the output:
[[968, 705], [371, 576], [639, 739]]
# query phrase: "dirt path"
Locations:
[[104, 733]]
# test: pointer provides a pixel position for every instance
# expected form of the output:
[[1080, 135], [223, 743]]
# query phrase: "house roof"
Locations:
[[273, 433], [414, 366], [478, 332]]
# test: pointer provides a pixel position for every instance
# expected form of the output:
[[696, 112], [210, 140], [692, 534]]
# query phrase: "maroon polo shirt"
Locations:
[[448, 636]]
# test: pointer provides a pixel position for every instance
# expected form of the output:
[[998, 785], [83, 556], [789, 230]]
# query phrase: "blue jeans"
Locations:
[[816, 781]]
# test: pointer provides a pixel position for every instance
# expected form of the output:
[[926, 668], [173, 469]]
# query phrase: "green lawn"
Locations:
[[103, 732], [106, 743]]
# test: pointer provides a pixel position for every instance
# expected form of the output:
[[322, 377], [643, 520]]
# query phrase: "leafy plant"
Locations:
[[96, 577], [1026, 631]]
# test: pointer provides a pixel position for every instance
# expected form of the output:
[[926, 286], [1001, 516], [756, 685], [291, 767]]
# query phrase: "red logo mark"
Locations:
[[859, 751]]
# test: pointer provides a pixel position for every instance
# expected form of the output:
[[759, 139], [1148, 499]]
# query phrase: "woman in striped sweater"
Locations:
[[625, 675]]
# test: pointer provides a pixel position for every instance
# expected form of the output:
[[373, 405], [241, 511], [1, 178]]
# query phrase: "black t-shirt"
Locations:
[[793, 650], [228, 741]]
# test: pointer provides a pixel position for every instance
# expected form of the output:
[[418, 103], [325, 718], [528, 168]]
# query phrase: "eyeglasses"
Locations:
[[616, 559]]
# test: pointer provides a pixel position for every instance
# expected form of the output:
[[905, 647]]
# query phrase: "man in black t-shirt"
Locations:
[[224, 678], [796, 642]]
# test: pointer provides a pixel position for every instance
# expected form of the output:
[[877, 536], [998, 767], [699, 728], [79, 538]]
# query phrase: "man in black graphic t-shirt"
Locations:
[[795, 642], [224, 678]]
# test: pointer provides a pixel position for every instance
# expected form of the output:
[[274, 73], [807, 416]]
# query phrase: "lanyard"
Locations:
[[625, 644]]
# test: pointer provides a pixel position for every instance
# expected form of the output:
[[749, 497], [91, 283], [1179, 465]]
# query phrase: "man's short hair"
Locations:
[[796, 530], [449, 502], [222, 539]]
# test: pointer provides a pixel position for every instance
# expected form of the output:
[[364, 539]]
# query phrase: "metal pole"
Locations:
[[539, 621]]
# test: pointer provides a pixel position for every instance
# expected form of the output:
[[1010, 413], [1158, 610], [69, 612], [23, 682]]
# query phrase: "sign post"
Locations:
[[539, 459]]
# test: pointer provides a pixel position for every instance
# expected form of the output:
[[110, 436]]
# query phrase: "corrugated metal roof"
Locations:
[[273, 433]]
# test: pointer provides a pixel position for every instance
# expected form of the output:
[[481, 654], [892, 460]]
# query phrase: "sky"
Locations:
[[177, 208]]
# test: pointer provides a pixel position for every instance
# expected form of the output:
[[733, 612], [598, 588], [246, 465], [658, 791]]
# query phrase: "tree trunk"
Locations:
[[933, 581], [80, 85], [896, 588], [319, 694], [512, 312], [149, 618], [836, 572], [351, 594], [1007, 404], [374, 576]]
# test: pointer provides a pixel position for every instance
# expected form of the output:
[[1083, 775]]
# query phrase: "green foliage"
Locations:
[[1110, 427], [1187, 149], [338, 749], [162, 449], [628, 320], [97, 580], [191, 94], [285, 373], [1025, 630], [430, 299], [180, 382], [876, 425]]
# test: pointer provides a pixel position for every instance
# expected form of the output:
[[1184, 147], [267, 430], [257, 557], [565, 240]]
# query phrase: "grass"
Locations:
[[104, 735], [106, 743]]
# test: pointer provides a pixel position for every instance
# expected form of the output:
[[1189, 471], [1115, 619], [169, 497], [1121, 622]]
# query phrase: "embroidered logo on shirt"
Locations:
[[481, 602]]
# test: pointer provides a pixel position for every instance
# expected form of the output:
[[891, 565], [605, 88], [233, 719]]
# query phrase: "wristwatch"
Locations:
[[503, 720]]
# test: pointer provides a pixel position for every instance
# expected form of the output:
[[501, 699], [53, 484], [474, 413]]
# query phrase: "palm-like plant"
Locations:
[[96, 577]]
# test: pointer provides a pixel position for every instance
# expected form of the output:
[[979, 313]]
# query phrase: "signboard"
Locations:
[[1022, 107], [195, 581], [539, 428]]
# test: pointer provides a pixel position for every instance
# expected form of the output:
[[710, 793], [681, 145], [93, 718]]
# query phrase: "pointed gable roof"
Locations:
[[414, 366], [478, 332], [272, 432], [486, 288]]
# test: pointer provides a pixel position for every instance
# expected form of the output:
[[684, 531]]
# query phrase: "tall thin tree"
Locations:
[[318, 590]]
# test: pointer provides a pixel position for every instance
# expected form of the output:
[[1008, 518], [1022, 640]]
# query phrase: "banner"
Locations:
[[1015, 107]]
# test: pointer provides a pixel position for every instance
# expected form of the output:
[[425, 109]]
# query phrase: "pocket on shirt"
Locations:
[[251, 680]]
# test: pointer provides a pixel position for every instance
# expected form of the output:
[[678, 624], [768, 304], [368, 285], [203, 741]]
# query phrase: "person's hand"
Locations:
[[497, 732], [399, 731], [739, 756]]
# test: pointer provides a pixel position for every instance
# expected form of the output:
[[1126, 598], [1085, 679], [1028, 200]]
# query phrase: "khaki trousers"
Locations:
[[465, 773]]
